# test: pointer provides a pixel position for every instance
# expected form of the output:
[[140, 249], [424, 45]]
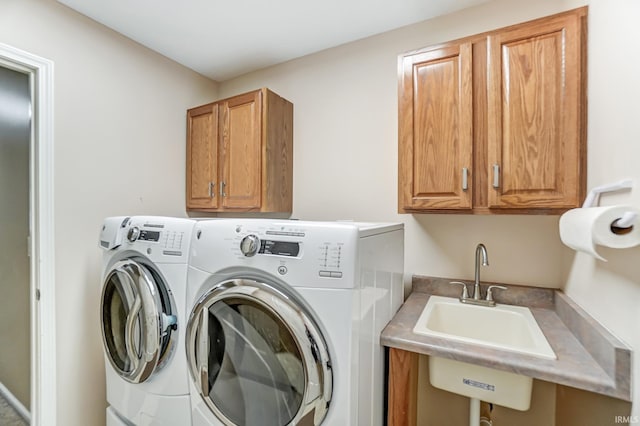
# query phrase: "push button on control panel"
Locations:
[[330, 274]]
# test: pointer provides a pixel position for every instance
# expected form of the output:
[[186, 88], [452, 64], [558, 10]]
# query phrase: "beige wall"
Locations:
[[15, 100], [345, 150], [610, 291], [120, 114]]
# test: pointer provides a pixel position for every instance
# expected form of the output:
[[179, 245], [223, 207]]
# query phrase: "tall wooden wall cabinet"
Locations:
[[240, 154], [496, 123]]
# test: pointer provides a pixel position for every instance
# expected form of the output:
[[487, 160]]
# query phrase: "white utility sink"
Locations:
[[506, 327]]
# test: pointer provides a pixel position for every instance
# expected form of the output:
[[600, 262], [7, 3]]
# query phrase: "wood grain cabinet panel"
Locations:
[[534, 93], [496, 123], [240, 154], [202, 157], [403, 388], [435, 115]]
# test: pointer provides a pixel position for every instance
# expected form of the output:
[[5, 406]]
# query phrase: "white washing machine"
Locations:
[[286, 318], [143, 316]]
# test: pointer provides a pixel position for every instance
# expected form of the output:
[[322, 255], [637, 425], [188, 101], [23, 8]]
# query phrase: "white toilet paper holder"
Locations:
[[626, 221], [629, 218]]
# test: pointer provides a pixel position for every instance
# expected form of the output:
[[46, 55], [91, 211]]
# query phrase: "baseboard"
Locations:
[[15, 403]]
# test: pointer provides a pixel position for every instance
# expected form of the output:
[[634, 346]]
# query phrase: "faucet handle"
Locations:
[[465, 292], [490, 294]]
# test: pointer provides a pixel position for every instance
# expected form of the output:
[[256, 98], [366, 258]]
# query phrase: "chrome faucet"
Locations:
[[481, 250], [476, 299]]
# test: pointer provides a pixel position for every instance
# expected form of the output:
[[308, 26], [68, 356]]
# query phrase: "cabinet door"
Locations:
[[202, 157], [534, 129], [241, 154], [435, 129]]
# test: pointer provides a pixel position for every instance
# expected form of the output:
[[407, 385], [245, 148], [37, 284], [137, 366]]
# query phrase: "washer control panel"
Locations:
[[137, 234], [255, 238], [311, 253], [252, 245], [162, 239]]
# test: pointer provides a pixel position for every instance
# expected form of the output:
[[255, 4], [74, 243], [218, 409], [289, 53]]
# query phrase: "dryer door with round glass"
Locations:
[[136, 320], [256, 357]]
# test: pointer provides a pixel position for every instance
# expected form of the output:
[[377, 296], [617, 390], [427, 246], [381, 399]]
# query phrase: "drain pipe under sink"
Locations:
[[474, 411], [474, 414]]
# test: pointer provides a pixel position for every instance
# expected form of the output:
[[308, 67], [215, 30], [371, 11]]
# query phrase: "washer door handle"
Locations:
[[129, 333], [203, 351], [146, 311]]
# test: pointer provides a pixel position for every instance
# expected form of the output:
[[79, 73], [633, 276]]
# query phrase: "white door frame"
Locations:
[[41, 225]]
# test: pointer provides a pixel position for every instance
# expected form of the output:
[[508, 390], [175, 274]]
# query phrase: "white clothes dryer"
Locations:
[[286, 318], [143, 317]]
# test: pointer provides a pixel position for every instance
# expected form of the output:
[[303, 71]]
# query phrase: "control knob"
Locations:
[[249, 245], [133, 233]]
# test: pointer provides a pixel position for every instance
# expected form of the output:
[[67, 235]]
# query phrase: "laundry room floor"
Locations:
[[9, 416]]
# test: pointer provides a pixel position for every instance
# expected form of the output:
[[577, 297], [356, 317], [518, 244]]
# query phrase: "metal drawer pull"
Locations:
[[465, 178], [222, 186], [212, 193], [496, 176]]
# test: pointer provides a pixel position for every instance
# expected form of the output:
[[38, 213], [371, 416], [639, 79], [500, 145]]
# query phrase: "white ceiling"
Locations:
[[224, 39]]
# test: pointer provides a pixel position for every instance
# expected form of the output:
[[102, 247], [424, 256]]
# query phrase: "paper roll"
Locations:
[[583, 229]]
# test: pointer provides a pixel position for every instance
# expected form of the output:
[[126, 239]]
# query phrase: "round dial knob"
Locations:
[[249, 245], [133, 234]]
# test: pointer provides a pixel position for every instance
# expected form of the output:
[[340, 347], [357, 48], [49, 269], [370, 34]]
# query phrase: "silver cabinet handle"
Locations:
[[465, 178], [212, 193], [222, 186], [496, 176]]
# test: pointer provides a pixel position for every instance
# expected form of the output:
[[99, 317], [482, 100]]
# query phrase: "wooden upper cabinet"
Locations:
[[535, 97], [241, 151], [231, 166], [496, 122], [436, 129], [202, 157]]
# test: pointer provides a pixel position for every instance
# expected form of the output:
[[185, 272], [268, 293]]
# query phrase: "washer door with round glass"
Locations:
[[136, 320], [257, 358]]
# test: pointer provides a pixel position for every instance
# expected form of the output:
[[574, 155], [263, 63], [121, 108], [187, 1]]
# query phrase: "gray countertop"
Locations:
[[588, 356]]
